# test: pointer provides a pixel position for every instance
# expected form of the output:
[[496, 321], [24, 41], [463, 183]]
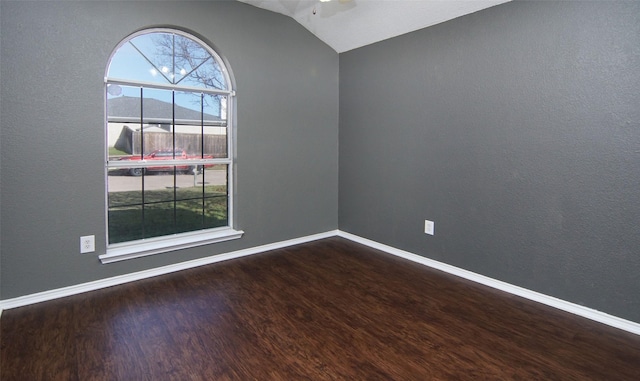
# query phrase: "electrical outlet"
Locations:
[[88, 244], [429, 227]]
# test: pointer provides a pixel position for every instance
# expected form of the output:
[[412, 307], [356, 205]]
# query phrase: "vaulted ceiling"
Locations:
[[349, 24]]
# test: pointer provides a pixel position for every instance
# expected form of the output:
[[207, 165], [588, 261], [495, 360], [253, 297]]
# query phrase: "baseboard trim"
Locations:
[[560, 304], [121, 279], [551, 301]]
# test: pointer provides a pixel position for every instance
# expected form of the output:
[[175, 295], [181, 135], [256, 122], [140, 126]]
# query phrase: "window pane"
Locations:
[[189, 141], [188, 108], [157, 116], [159, 219], [195, 66], [215, 142], [121, 139], [214, 179], [125, 205], [215, 126], [129, 63], [159, 184], [157, 51], [125, 224], [189, 215], [208, 76], [124, 189], [215, 109], [216, 212], [216, 196], [189, 122], [157, 106], [189, 186]]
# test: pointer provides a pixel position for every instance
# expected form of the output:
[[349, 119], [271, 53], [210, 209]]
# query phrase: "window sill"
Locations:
[[142, 248]]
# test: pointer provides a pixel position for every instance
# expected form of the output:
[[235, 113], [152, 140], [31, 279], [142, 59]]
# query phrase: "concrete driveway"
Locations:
[[120, 182]]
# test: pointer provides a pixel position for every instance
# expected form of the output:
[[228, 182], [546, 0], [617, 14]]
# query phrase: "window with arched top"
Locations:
[[169, 140]]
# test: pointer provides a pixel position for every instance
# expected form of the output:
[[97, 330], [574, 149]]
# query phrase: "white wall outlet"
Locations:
[[88, 244], [429, 227]]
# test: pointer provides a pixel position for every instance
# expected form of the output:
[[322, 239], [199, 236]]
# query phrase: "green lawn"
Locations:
[[116, 152]]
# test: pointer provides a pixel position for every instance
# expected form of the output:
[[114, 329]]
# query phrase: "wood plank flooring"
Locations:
[[326, 310]]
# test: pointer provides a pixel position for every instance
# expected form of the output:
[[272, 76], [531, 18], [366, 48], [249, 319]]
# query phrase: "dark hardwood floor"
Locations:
[[326, 310]]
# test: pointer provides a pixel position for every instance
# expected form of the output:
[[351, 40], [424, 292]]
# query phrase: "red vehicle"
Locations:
[[167, 154]]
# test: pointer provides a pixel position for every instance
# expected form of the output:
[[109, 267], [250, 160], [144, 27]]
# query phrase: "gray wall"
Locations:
[[517, 129], [52, 107]]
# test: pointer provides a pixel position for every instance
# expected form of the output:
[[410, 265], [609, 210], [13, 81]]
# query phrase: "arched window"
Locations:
[[169, 108]]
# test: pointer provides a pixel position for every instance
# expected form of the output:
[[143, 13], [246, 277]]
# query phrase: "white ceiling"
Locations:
[[350, 24]]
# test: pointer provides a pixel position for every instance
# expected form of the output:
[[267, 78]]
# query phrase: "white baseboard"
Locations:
[[121, 279], [560, 304]]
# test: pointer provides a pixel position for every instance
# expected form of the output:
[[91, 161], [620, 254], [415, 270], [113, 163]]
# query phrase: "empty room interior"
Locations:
[[459, 200]]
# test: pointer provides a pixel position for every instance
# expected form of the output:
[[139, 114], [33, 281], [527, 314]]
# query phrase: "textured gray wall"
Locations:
[[517, 129], [52, 106]]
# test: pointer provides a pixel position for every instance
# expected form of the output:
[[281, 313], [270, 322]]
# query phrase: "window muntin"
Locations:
[[169, 165]]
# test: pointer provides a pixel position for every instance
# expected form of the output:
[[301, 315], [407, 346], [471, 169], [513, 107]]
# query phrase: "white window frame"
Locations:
[[161, 244]]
